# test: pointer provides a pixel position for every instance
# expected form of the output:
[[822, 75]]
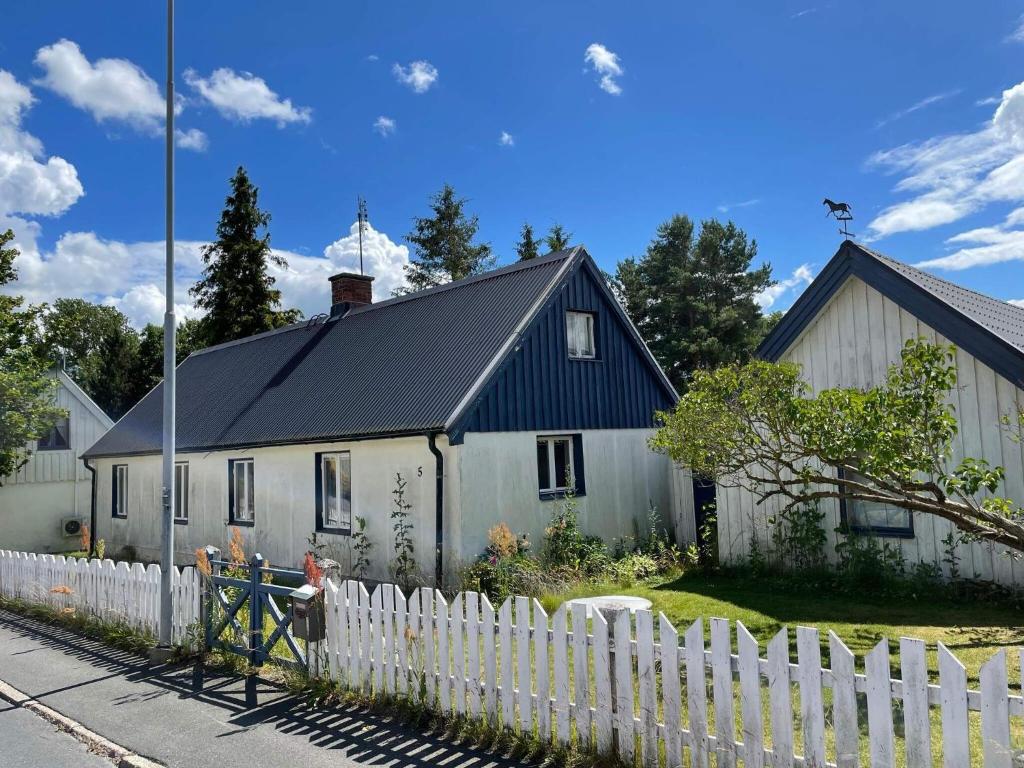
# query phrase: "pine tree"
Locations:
[[444, 244], [236, 290], [528, 247], [694, 299], [558, 238]]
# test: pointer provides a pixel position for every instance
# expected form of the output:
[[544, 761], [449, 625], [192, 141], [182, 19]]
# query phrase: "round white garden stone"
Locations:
[[611, 605]]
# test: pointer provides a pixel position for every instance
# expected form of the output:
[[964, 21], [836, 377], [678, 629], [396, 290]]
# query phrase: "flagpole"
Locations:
[[167, 543]]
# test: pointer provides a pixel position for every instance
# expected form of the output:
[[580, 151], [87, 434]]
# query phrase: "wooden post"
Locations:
[[255, 628]]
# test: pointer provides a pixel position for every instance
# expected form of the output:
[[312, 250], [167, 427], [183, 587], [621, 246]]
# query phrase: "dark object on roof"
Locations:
[[407, 365], [989, 329]]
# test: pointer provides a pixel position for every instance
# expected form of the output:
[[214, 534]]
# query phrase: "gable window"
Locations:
[[58, 438], [119, 491], [875, 518], [334, 492], [579, 328], [181, 492], [560, 465], [241, 510]]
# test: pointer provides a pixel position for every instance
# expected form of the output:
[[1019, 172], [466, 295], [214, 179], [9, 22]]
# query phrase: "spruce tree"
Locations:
[[693, 299], [443, 243], [236, 290], [558, 238], [528, 247]]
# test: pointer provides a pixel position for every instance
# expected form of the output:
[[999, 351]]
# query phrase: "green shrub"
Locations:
[[566, 546]]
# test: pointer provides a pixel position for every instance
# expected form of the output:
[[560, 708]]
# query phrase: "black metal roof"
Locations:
[[396, 367], [990, 329]]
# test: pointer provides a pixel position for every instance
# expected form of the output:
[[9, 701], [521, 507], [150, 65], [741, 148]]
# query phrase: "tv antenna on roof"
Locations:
[[363, 219], [841, 212]]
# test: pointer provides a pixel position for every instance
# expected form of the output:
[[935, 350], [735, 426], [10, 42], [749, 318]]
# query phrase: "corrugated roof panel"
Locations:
[[394, 367]]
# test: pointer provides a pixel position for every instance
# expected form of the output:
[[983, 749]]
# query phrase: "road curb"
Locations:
[[120, 756]]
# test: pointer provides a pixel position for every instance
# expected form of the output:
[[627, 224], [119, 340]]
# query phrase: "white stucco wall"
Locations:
[[851, 343], [497, 476], [284, 501]]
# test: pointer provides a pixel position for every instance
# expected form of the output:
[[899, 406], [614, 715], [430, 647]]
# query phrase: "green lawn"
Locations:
[[972, 630]]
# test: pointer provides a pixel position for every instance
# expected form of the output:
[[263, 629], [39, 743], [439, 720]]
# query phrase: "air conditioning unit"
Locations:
[[72, 526]]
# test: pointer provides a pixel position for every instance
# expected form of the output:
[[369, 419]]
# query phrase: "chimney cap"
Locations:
[[352, 276]]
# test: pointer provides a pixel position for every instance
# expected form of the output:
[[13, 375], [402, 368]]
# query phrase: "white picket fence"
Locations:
[[688, 702], [121, 592]]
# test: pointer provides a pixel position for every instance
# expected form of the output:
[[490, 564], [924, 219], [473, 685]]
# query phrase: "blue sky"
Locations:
[[617, 116]]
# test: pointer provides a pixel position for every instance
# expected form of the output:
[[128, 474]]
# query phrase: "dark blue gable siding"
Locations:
[[538, 387]]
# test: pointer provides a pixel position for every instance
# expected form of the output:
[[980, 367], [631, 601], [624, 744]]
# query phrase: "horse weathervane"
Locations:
[[842, 213]]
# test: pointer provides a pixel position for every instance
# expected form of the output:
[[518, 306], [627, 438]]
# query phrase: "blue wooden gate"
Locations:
[[240, 598]]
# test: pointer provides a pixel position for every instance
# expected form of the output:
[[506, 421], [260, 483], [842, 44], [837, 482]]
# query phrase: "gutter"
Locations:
[[92, 507], [438, 508]]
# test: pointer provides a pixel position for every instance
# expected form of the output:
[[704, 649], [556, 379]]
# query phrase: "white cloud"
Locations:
[[983, 246], [144, 304], [801, 276], [605, 63], [506, 139], [950, 177], [726, 207], [109, 89], [925, 102], [385, 126], [373, 57], [30, 183], [418, 75], [1017, 36], [802, 13], [192, 138], [1017, 302], [245, 97]]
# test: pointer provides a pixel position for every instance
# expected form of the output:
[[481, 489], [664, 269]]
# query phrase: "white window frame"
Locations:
[[181, 491], [342, 466], [242, 512], [556, 483], [571, 330], [120, 491]]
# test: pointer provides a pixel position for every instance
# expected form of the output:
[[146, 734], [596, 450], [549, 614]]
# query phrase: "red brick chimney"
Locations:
[[350, 290]]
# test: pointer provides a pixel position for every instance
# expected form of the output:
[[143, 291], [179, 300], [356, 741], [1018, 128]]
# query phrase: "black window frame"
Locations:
[[181, 499], [118, 489], [321, 527], [881, 531], [232, 520], [595, 318], [578, 469], [45, 443]]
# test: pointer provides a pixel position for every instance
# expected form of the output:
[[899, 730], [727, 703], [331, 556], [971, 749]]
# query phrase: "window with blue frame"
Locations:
[[560, 465], [875, 518]]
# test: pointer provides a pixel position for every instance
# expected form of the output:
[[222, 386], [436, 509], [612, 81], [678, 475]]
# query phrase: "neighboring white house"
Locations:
[[844, 331], [492, 396], [43, 504]]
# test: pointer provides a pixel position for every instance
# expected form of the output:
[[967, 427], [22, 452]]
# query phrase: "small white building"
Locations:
[[44, 504], [844, 331], [492, 397]]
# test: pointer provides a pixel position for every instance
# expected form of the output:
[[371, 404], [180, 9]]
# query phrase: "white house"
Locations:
[[492, 396], [844, 331], [44, 504]]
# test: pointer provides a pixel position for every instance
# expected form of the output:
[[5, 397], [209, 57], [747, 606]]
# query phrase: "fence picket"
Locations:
[[458, 633], [507, 687], [365, 646], [602, 685], [780, 700], [917, 725], [427, 631], [581, 674], [812, 707], [543, 676], [560, 643], [750, 698], [473, 647], [995, 716], [696, 694], [402, 641], [721, 681], [354, 657], [415, 647], [671, 692], [377, 638], [444, 658], [953, 684], [648, 687], [388, 618], [624, 717], [490, 662], [844, 703], [331, 614], [878, 689], [523, 671]]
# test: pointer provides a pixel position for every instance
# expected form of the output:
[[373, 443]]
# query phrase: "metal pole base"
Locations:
[[251, 698]]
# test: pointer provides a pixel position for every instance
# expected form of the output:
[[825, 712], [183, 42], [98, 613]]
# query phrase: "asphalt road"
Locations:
[[157, 714], [29, 741]]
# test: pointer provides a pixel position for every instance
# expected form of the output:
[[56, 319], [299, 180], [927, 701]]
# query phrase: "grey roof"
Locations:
[[399, 366], [1001, 318]]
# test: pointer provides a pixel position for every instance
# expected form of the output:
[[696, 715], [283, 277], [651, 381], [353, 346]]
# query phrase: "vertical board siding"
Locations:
[[540, 388], [850, 343], [625, 685]]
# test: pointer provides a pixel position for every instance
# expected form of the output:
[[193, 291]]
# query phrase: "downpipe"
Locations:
[[438, 508]]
